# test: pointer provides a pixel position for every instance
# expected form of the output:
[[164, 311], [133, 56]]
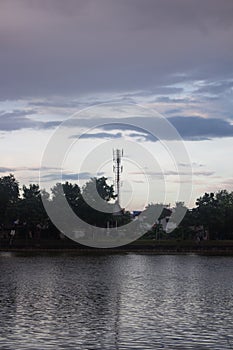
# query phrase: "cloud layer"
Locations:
[[73, 47], [189, 128], [20, 119]]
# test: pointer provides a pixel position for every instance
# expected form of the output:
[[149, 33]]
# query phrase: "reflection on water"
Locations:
[[115, 302]]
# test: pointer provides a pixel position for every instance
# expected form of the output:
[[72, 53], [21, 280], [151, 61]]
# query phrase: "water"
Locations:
[[129, 301]]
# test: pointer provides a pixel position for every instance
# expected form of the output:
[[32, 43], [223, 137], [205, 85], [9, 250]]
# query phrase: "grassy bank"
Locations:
[[220, 247]]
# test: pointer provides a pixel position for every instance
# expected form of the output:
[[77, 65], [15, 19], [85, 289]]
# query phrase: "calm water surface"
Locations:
[[129, 301]]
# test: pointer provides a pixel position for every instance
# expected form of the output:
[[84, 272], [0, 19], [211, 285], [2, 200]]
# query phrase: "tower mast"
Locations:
[[117, 169]]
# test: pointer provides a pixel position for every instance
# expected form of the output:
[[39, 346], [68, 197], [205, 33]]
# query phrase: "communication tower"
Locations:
[[117, 169]]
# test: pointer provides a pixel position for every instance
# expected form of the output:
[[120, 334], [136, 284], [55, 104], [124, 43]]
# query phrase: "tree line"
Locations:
[[212, 218], [23, 208]]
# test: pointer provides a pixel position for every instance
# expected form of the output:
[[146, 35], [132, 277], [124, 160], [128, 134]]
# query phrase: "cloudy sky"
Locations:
[[173, 57]]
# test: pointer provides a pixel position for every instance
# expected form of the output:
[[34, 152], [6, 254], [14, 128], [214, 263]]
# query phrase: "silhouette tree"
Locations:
[[94, 206], [68, 190], [31, 207], [9, 197], [215, 211]]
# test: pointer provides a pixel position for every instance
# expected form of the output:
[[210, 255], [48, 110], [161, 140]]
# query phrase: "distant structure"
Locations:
[[117, 169]]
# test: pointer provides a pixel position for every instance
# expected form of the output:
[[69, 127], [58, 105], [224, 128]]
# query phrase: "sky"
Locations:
[[108, 71]]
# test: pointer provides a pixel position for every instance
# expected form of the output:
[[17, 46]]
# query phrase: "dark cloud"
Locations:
[[151, 129], [38, 168], [141, 128], [69, 176], [189, 128], [100, 135], [81, 176], [140, 137], [18, 120], [57, 47], [47, 125], [173, 111], [197, 128]]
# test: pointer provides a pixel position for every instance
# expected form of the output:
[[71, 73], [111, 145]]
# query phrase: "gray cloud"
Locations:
[[47, 125], [158, 90], [6, 170], [81, 176], [105, 135], [56, 104], [69, 176], [167, 99], [141, 128], [173, 173], [100, 135], [36, 169], [189, 128], [18, 119], [194, 164], [216, 88], [74, 47], [197, 128], [174, 111]]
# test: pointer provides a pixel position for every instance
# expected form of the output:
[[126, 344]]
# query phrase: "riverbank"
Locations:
[[139, 246]]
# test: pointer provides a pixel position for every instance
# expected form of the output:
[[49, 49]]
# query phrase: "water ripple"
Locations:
[[115, 302]]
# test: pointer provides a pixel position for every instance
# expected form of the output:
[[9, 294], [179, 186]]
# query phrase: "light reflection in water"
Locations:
[[126, 301]]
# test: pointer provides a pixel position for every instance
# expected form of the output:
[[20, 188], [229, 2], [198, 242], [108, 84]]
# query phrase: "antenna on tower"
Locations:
[[117, 169]]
